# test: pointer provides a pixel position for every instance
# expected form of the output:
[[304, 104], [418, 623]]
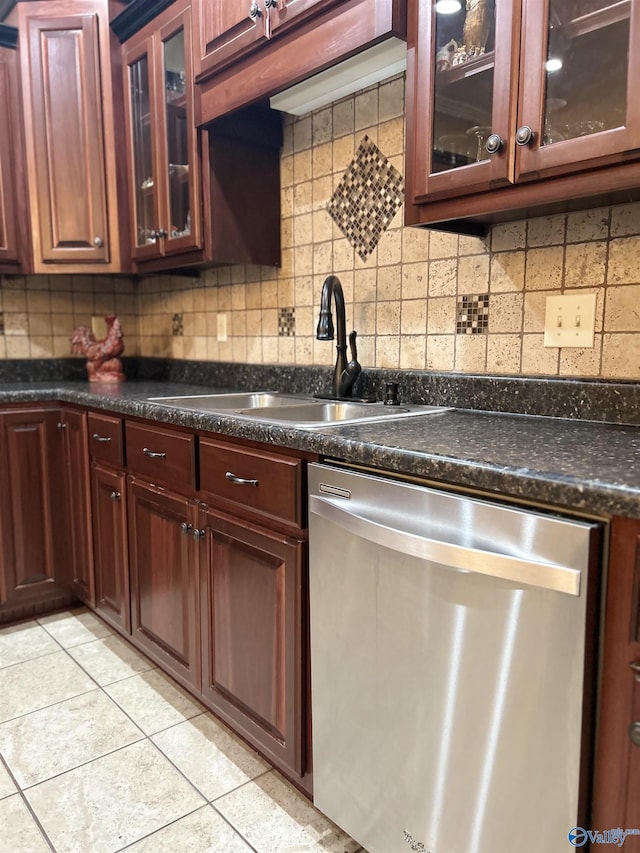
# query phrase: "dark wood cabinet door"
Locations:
[[111, 563], [32, 504], [226, 31], [163, 570], [617, 778], [286, 13], [79, 557], [10, 251], [252, 635]]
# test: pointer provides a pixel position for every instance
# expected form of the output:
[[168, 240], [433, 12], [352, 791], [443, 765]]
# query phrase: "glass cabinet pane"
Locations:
[[464, 81], [142, 152], [177, 135], [586, 68]]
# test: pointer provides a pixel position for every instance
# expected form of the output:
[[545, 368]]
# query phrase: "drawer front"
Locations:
[[266, 483], [162, 456], [106, 439]]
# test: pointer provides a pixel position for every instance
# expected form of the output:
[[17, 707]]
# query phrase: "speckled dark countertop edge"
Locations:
[[571, 464]]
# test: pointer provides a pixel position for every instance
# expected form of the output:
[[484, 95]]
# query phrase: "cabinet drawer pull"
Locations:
[[635, 668], [61, 425], [115, 496], [104, 438], [240, 481], [153, 454], [198, 533], [185, 528]]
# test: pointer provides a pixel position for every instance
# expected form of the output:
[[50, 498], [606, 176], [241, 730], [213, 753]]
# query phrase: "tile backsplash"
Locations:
[[419, 299]]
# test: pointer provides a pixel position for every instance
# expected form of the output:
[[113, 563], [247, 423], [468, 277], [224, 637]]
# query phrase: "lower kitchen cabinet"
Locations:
[[252, 587], [163, 572], [32, 514], [110, 556], [617, 777]]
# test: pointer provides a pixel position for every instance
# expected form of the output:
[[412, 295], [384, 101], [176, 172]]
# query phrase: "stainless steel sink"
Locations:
[[293, 410]]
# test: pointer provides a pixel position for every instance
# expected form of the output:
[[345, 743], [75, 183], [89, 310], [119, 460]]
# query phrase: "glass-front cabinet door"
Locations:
[[579, 105], [466, 70]]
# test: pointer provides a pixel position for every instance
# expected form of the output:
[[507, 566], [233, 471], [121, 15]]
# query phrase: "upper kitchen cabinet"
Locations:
[[198, 197], [70, 119], [252, 49], [520, 106], [13, 212]]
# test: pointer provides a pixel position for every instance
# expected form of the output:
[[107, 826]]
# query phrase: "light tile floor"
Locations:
[[101, 752]]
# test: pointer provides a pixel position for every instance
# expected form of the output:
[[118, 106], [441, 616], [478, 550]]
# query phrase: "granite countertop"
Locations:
[[583, 465]]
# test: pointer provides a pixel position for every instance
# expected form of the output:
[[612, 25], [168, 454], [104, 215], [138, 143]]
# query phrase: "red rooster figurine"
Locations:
[[103, 364]]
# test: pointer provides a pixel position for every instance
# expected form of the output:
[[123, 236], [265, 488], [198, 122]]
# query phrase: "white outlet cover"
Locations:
[[570, 320], [222, 327]]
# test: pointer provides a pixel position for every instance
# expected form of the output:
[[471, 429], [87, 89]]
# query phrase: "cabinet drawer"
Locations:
[[267, 483], [161, 455], [105, 439]]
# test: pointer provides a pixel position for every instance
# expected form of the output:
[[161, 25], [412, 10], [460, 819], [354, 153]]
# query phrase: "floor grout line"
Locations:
[[27, 804]]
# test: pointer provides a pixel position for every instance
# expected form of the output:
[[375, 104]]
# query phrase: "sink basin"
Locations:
[[293, 409]]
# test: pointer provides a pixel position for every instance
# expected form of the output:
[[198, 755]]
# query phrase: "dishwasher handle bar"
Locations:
[[530, 572]]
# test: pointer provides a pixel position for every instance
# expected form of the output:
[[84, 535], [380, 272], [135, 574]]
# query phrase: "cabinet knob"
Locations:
[[254, 11], [61, 425], [115, 496], [270, 4], [634, 733], [185, 528], [524, 135], [162, 232], [154, 454], [494, 143], [240, 481], [634, 666], [156, 235], [98, 242], [198, 534]]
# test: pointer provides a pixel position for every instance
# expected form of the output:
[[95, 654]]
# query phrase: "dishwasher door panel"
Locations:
[[447, 704]]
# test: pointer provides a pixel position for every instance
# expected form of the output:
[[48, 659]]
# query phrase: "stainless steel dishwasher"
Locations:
[[448, 667]]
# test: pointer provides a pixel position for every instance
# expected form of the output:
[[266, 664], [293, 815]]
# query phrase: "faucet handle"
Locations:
[[352, 346]]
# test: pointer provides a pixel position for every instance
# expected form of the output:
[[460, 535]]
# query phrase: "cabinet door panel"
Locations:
[[8, 139], [110, 546], [585, 65], [164, 579], [288, 12], [227, 32], [80, 551], [66, 93], [252, 635]]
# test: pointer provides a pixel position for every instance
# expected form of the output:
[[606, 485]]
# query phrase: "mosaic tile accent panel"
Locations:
[[177, 325], [367, 198], [472, 315], [286, 322]]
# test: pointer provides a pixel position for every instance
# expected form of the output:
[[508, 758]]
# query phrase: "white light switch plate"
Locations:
[[222, 327], [570, 321]]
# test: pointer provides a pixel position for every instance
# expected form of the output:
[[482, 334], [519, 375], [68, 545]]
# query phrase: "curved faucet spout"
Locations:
[[343, 377]]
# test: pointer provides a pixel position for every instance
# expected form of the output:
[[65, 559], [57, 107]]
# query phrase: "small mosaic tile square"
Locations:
[[177, 326], [472, 314], [286, 322], [367, 198]]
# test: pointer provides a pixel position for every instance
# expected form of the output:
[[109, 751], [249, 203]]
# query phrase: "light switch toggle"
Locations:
[[570, 320]]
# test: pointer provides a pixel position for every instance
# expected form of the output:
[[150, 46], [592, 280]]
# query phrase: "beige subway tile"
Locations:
[[585, 264], [303, 198], [370, 132], [302, 132], [14, 300], [622, 312], [41, 282], [322, 190], [322, 225], [253, 322], [322, 258], [303, 229], [286, 233], [575, 361], [302, 168], [546, 230], [440, 352], [177, 347], [415, 245], [367, 350], [303, 291], [83, 304], [413, 352], [535, 305], [473, 274], [364, 285], [588, 225], [391, 137], [286, 350], [544, 268], [625, 219], [364, 318], [507, 271], [390, 247], [343, 151], [41, 346], [414, 317], [213, 349], [270, 350], [104, 304], [387, 351], [388, 318], [443, 277], [304, 350], [237, 325], [39, 301], [343, 117], [269, 322], [125, 303], [389, 284], [306, 321], [301, 262], [469, 245], [238, 298], [441, 316], [509, 236], [225, 350], [61, 346], [506, 312], [62, 324], [415, 279], [322, 125], [286, 171], [17, 346], [287, 261], [624, 254], [239, 350], [286, 202], [366, 108], [343, 255], [503, 353], [538, 359], [16, 323], [254, 350], [471, 353], [60, 302], [286, 293], [621, 356], [40, 325], [443, 245], [391, 99]]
